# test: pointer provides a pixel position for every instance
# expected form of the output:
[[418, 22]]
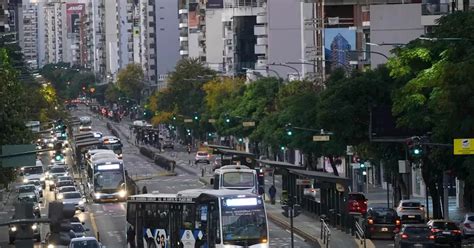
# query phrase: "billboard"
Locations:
[[74, 14], [193, 16], [215, 4], [338, 42]]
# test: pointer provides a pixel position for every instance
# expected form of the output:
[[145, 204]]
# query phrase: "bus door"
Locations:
[[207, 228]]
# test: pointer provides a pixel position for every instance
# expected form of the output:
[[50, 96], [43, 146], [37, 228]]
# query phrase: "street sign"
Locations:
[[349, 150], [13, 159], [304, 181], [355, 165], [321, 138], [212, 120], [188, 120], [248, 123], [463, 147]]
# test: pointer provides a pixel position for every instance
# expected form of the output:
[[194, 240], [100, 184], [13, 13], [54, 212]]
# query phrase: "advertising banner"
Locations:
[[193, 16], [74, 14], [215, 4]]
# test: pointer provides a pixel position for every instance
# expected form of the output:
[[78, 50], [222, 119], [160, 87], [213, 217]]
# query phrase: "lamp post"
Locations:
[[285, 65]]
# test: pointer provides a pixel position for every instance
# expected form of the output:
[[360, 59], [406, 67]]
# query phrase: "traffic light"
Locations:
[[289, 129], [196, 116], [241, 140], [415, 147], [188, 131], [58, 156], [60, 215], [174, 117]]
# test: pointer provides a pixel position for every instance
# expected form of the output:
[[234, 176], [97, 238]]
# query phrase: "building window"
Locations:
[[162, 29]]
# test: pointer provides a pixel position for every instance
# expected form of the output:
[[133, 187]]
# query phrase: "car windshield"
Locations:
[[238, 179], [411, 204], [445, 225], [84, 244], [34, 170], [417, 230], [35, 182], [67, 189], [77, 228], [470, 218], [29, 198], [26, 189], [65, 183], [383, 215], [73, 195], [58, 170], [356, 197]]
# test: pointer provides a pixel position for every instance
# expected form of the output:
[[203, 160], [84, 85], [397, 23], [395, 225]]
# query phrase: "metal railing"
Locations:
[[243, 3], [359, 233], [325, 231]]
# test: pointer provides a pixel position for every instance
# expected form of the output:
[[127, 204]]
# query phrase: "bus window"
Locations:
[[213, 226], [131, 213], [188, 214]]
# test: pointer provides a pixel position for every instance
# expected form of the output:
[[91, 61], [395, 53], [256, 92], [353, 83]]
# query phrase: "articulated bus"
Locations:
[[198, 218], [106, 180]]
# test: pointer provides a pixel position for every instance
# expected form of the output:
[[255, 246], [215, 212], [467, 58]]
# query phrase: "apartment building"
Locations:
[[53, 26], [28, 34]]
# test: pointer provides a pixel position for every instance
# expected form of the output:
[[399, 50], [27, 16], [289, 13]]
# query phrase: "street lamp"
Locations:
[[285, 65], [385, 44]]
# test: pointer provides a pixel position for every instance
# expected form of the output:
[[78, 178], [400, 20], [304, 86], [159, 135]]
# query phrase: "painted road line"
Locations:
[[94, 225], [296, 235]]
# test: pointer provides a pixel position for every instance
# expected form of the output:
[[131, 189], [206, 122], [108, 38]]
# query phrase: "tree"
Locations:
[[130, 80], [112, 93]]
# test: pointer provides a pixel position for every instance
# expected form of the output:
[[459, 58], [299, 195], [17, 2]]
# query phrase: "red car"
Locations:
[[357, 203]]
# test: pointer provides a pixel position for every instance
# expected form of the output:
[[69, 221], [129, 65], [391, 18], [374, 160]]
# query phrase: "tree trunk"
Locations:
[[333, 165]]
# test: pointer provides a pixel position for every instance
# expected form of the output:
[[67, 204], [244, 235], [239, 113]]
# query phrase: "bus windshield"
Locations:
[[34, 170], [240, 224], [116, 147], [238, 179], [108, 180]]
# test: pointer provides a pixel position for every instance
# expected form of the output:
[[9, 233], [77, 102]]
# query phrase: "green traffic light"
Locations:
[[417, 151], [289, 132], [227, 120], [58, 157]]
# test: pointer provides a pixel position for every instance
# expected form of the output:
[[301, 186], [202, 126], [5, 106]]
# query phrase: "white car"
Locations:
[[38, 184], [85, 242], [202, 156], [65, 189], [29, 188], [411, 211], [467, 226], [74, 198]]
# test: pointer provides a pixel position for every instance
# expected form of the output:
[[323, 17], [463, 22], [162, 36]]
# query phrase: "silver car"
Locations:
[[411, 211], [74, 198]]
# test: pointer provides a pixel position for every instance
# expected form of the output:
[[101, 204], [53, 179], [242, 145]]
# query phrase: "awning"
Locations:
[[235, 152], [321, 176], [279, 164]]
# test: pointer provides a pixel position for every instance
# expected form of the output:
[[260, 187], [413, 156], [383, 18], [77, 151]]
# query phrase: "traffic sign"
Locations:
[[248, 123], [188, 120], [463, 146], [18, 155], [304, 181], [321, 138]]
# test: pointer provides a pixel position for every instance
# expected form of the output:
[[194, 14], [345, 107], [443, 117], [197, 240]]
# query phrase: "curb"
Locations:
[[161, 174], [308, 237]]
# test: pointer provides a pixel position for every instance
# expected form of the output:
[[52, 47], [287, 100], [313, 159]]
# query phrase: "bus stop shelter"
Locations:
[[328, 195]]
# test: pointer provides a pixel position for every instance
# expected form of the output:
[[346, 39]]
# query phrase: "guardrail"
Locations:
[[325, 231], [359, 233], [159, 160]]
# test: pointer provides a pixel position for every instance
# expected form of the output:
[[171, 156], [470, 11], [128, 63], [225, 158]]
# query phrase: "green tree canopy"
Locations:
[[130, 80]]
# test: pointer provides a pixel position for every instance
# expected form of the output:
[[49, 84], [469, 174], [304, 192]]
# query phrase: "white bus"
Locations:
[[198, 218], [238, 177], [106, 180]]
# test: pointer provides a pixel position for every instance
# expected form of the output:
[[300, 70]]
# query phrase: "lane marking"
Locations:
[[94, 225]]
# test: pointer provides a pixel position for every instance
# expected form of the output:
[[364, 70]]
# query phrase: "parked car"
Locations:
[[85, 242], [168, 144], [411, 211], [414, 235], [467, 225], [357, 203], [202, 156], [381, 222], [446, 232]]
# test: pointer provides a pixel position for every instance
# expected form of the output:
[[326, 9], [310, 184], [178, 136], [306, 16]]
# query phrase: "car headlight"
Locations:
[[34, 227], [50, 246], [50, 145], [13, 228], [60, 196], [122, 193], [97, 195], [80, 203], [43, 178], [25, 180], [47, 173]]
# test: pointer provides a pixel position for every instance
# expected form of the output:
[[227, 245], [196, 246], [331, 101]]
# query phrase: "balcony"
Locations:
[[261, 61], [260, 49], [183, 24], [183, 38], [259, 30], [261, 18], [182, 11], [183, 52], [262, 41]]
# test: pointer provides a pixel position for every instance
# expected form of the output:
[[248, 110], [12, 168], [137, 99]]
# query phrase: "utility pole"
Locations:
[[291, 210], [445, 196]]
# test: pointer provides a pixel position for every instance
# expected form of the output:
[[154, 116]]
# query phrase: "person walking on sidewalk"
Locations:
[[272, 192], [144, 190]]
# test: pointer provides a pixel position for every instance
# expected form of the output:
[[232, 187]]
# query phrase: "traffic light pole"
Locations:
[[291, 225]]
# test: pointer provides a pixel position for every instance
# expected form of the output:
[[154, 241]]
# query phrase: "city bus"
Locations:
[[112, 143], [198, 218], [238, 177], [106, 180]]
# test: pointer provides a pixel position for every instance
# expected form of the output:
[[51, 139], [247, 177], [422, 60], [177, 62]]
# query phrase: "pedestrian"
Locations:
[[144, 190], [272, 193], [189, 148], [131, 237]]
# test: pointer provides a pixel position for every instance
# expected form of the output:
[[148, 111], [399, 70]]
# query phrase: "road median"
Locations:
[[279, 221]]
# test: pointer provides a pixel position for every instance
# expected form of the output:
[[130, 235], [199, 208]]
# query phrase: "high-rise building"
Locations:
[[53, 32], [28, 33]]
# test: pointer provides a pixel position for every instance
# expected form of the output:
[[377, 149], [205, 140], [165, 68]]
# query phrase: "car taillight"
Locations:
[[397, 222], [404, 236], [371, 221], [456, 232], [432, 237], [467, 225], [434, 230]]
